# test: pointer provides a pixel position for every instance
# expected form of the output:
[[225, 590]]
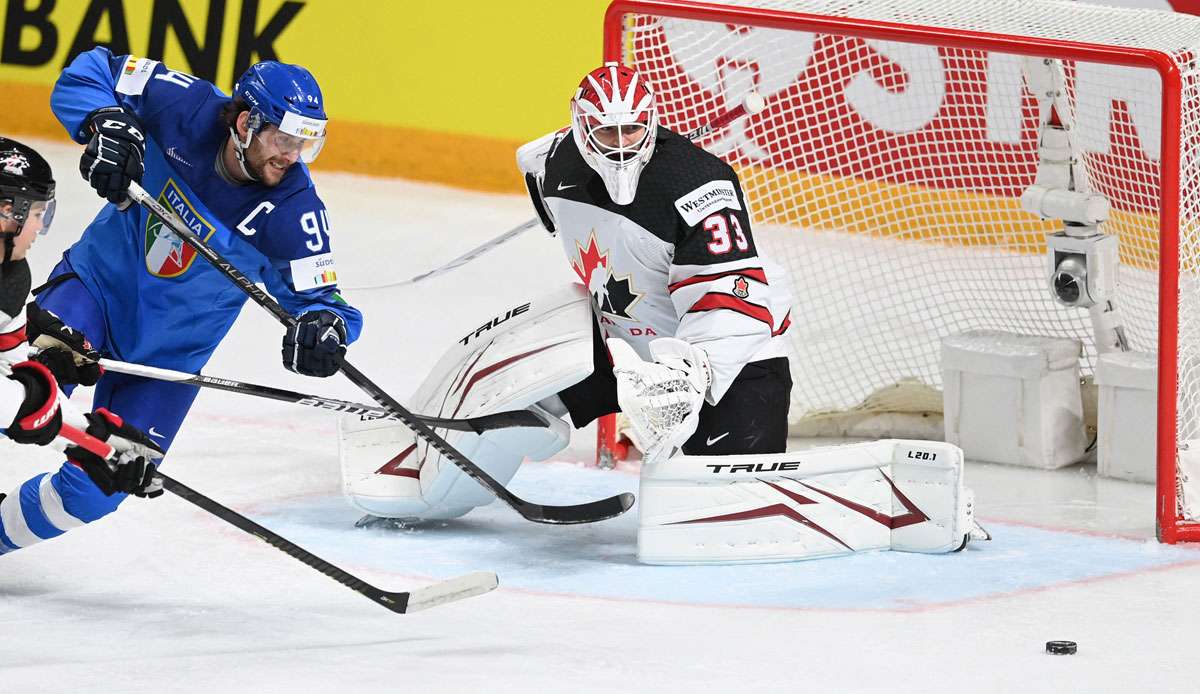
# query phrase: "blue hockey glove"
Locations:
[[316, 344], [116, 153]]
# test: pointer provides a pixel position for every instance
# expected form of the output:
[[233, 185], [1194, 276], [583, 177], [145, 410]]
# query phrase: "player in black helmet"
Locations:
[[27, 189]]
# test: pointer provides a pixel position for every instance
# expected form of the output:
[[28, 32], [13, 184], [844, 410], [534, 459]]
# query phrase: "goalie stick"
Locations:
[[589, 512], [462, 259], [487, 422], [751, 104], [400, 602]]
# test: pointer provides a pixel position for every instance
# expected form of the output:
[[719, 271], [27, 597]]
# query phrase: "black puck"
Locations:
[[1061, 647]]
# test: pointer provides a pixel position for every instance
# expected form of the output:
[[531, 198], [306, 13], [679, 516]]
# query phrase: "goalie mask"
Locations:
[[614, 121], [27, 184]]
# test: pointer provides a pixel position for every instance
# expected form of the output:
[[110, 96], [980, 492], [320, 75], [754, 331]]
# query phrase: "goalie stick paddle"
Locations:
[[751, 104], [589, 512], [487, 422], [400, 602]]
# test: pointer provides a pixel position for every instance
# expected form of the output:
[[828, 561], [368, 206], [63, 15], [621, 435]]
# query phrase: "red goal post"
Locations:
[[937, 189]]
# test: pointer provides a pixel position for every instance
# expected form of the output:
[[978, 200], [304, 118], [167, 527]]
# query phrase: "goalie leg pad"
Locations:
[[509, 364], [830, 501], [499, 452], [388, 472]]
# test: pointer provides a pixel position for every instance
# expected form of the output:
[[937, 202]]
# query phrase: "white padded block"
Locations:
[[1127, 418], [1013, 399]]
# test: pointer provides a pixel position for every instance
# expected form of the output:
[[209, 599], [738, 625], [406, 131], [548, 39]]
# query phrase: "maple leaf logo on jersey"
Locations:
[[614, 295], [589, 260], [741, 288]]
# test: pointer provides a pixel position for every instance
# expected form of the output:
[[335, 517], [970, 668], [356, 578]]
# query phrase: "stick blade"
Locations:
[[591, 512], [451, 590]]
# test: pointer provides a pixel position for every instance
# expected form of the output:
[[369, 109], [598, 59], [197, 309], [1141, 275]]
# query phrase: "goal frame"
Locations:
[[1170, 527]]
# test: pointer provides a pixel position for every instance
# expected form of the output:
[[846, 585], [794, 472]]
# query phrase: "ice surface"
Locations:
[[161, 597]]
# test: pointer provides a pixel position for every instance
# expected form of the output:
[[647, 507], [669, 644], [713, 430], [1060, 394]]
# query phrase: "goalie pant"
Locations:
[[47, 505]]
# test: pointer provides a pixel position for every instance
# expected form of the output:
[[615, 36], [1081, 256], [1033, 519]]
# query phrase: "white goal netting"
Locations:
[[886, 170]]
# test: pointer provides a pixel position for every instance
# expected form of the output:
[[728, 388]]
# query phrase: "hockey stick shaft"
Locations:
[[462, 259], [499, 420], [751, 104], [399, 602], [580, 513]]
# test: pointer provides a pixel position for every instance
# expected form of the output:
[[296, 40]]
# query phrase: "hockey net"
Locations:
[[886, 169]]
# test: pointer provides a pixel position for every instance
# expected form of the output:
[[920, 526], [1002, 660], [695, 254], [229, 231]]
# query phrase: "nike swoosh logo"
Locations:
[[562, 187], [155, 434], [716, 438]]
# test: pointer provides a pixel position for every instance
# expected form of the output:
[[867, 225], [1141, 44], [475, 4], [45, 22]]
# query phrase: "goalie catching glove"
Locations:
[[133, 471], [315, 344], [662, 398]]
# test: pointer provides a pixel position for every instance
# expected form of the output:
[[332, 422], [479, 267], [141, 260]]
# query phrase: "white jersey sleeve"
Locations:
[[731, 301], [13, 349]]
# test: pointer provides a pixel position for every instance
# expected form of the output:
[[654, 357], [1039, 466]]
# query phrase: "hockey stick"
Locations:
[[751, 104], [580, 513], [400, 602], [462, 259], [487, 422]]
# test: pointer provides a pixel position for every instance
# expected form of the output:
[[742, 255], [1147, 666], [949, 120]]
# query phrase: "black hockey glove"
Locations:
[[132, 472], [316, 344], [116, 153], [39, 418], [66, 352]]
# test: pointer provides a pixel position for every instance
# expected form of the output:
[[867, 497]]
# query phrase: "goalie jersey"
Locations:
[[678, 261]]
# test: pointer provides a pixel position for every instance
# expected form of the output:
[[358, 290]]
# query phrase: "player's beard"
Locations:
[[266, 169]]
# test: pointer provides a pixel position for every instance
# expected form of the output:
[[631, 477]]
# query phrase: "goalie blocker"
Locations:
[[892, 494]]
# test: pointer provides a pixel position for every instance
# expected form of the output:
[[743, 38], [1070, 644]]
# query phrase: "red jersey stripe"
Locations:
[[754, 273], [714, 301], [787, 322], [11, 340]]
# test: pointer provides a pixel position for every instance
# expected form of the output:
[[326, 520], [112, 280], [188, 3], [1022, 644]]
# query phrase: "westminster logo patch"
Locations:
[[166, 254]]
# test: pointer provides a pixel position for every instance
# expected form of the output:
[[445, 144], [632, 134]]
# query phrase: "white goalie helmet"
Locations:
[[614, 120]]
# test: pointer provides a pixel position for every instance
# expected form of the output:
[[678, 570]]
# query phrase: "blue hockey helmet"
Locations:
[[288, 97]]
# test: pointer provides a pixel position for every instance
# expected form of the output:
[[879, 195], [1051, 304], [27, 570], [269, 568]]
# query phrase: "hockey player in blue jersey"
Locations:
[[233, 169]]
